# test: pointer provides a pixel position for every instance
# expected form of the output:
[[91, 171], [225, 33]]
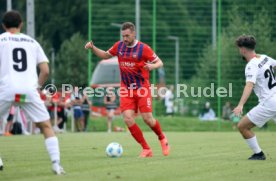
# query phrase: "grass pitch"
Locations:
[[194, 156]]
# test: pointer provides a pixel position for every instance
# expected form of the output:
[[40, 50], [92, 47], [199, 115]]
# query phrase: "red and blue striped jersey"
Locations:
[[131, 63]]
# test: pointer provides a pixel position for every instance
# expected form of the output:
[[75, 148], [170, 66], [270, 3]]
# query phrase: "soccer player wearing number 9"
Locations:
[[259, 75], [136, 59], [20, 55]]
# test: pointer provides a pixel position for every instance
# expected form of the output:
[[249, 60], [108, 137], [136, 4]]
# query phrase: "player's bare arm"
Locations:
[[154, 65], [44, 73], [245, 95], [98, 52]]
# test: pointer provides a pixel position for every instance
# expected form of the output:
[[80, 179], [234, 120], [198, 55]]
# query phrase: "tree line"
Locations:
[[63, 26]]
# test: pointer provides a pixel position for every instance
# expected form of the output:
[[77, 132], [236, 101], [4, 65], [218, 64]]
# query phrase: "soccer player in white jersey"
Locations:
[[259, 75], [20, 55]]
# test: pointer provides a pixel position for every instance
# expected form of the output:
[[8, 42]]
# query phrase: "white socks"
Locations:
[[53, 148], [253, 144]]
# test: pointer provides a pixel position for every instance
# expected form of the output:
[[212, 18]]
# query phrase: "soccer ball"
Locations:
[[114, 150], [1, 164]]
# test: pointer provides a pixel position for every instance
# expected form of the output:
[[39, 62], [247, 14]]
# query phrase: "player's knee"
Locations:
[[128, 120], [241, 127], [44, 126], [149, 120], [110, 116]]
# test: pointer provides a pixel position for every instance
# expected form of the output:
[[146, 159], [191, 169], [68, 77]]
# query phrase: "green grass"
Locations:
[[194, 156], [175, 124]]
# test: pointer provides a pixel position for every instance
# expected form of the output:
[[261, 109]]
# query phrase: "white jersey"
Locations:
[[259, 70], [19, 57]]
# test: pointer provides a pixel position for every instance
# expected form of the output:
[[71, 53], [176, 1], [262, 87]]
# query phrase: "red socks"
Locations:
[[138, 136], [158, 131]]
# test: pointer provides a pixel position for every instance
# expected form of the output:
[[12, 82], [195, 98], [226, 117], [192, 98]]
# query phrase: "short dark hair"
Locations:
[[12, 19], [128, 25], [247, 41]]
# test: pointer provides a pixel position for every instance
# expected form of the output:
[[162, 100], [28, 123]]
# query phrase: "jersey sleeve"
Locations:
[[114, 49], [149, 55], [251, 72], [41, 57]]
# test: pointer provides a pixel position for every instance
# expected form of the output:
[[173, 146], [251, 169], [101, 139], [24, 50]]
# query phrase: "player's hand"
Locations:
[[238, 110], [89, 45], [149, 66]]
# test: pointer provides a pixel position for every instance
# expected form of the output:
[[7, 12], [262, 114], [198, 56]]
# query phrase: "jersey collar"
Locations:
[[135, 43]]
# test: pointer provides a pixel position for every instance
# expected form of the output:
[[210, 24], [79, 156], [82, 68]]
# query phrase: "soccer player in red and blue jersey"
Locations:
[[136, 59]]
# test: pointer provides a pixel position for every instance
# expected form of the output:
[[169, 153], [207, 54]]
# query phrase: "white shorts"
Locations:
[[35, 110], [263, 112]]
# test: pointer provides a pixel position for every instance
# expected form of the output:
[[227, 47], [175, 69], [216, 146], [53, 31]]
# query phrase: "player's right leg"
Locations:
[[37, 112], [9, 125], [245, 126], [257, 116], [4, 110], [136, 133]]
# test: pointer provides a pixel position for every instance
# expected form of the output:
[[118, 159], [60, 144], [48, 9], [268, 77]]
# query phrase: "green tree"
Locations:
[[232, 69], [71, 62], [58, 20]]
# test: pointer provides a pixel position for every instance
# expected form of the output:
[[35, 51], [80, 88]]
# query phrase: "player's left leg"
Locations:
[[245, 126], [145, 107], [155, 126], [52, 145]]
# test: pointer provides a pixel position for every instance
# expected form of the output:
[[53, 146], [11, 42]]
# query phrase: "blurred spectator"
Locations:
[[9, 123], [161, 75], [207, 113], [86, 105], [63, 104], [227, 111], [169, 101], [76, 105], [50, 107], [20, 122], [110, 103], [16, 122], [57, 111]]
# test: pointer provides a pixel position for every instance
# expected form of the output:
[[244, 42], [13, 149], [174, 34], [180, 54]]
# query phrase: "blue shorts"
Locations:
[[78, 113]]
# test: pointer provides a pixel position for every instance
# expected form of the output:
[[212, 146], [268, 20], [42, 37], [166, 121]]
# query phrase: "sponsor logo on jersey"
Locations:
[[134, 55], [263, 62], [127, 64]]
